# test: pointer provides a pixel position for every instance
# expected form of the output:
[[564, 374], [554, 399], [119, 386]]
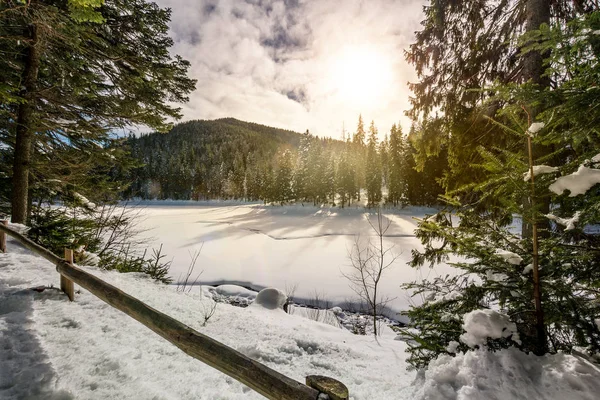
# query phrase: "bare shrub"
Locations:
[[289, 293], [317, 301], [208, 310], [117, 228], [187, 283], [368, 263]]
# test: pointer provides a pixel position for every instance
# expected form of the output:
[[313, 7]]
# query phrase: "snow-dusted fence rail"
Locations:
[[253, 374]]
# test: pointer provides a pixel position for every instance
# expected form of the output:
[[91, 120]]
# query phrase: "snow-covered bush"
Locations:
[[481, 325]]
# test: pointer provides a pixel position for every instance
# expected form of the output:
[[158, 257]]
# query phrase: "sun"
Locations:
[[361, 75]]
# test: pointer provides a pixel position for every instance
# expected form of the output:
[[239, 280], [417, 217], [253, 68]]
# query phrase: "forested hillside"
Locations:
[[203, 159], [228, 158]]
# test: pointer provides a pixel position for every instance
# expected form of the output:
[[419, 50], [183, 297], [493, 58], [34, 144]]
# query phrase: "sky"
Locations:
[[298, 64]]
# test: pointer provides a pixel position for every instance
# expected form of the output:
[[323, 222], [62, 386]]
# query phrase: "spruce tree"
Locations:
[[71, 76], [301, 172], [330, 178], [397, 168], [385, 163], [344, 176], [360, 135], [544, 282], [358, 144], [462, 49], [282, 185], [373, 169]]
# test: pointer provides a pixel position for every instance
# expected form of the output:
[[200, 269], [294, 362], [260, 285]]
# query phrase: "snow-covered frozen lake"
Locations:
[[260, 246]]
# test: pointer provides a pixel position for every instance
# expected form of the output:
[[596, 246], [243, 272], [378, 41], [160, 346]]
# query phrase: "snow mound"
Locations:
[[539, 170], [452, 347], [235, 291], [88, 258], [20, 228], [495, 277], [568, 223], [479, 325], [578, 182], [510, 257], [507, 374], [535, 128], [83, 200], [271, 299]]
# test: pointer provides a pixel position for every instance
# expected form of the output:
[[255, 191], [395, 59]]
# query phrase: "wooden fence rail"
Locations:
[[253, 374]]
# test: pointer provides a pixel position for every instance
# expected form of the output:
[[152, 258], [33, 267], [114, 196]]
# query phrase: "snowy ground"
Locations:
[[259, 246], [51, 348], [55, 349]]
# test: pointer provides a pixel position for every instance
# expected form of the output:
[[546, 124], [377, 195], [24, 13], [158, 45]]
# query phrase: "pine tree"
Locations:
[[330, 178], [282, 186], [424, 174], [543, 283], [69, 82], [384, 151], [373, 169], [397, 166], [345, 179], [359, 157], [301, 172], [315, 188], [463, 48], [360, 135]]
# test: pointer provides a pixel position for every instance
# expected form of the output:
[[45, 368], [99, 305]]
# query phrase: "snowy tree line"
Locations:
[[238, 160]]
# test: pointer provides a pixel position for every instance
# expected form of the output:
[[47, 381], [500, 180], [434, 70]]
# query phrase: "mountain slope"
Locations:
[[206, 159]]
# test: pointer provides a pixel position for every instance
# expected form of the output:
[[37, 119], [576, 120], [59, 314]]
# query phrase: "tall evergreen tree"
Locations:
[[358, 142], [397, 166], [384, 151], [424, 175], [330, 177], [463, 48], [360, 135], [550, 306], [316, 173], [68, 82], [301, 172], [282, 185], [345, 179], [373, 169]]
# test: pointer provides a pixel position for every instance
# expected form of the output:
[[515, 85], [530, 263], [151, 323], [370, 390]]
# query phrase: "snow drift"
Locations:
[[508, 375]]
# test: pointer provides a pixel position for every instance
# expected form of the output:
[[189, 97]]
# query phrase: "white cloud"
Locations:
[[271, 61]]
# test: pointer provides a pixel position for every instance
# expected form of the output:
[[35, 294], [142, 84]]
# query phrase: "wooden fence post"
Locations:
[[335, 389], [66, 285], [3, 237]]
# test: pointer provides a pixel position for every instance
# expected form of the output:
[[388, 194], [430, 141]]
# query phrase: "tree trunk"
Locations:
[[537, 13], [24, 130]]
